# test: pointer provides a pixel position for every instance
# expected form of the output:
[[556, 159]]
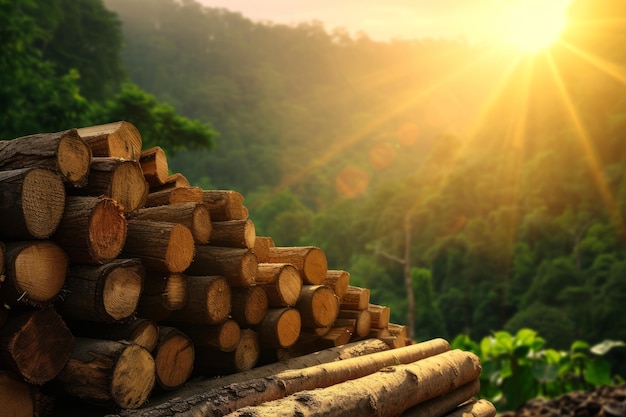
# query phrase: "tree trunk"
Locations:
[[224, 205], [280, 328], [63, 152], [211, 361], [281, 282], [105, 293], [356, 298], [36, 344], [117, 140], [442, 406], [249, 304], [35, 272], [262, 245], [142, 331], [173, 358], [92, 231], [195, 216], [154, 166], [380, 316], [175, 196], [161, 246], [32, 201], [108, 373], [208, 301], [119, 179], [233, 234], [224, 336], [338, 281], [408, 281], [310, 261], [318, 306], [238, 266]]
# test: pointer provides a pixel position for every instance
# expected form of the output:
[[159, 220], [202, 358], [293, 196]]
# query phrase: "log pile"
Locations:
[[121, 283]]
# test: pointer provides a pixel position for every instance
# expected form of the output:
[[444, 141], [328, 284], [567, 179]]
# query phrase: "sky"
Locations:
[[473, 20]]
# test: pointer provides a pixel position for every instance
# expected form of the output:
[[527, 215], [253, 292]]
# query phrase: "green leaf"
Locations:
[[521, 351], [545, 372], [579, 345], [598, 372]]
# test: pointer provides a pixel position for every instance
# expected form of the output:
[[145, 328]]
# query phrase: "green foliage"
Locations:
[[518, 367]]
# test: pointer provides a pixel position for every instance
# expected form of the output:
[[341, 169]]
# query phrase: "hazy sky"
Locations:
[[474, 20]]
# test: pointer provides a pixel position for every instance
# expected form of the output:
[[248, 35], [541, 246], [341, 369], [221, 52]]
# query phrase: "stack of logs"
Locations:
[[120, 282]]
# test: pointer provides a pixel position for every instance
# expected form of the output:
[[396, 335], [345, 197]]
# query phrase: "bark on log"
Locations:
[[173, 358], [224, 205], [208, 301], [119, 179], [224, 336], [318, 306], [32, 201], [35, 272], [238, 266], [211, 361], [108, 373], [174, 196], [166, 247], [144, 332], [195, 216], [280, 328], [380, 316], [337, 280], [442, 406], [154, 166], [117, 140], [63, 152], [92, 231], [262, 245], [168, 289], [233, 234], [281, 282], [388, 392], [105, 293], [249, 305], [356, 298], [36, 344], [176, 180], [310, 261]]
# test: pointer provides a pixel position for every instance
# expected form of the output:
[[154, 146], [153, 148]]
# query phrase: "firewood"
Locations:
[[142, 331], [173, 358], [224, 336], [379, 333], [224, 205], [318, 306], [361, 321], [17, 397], [397, 330], [394, 342], [154, 166], [337, 280], [32, 201], [161, 246], [280, 328], [120, 374], [479, 408], [211, 361], [93, 229], [63, 152], [168, 289], [356, 298], [174, 196], [310, 261], [195, 216], [118, 140], [176, 180], [249, 304], [119, 179], [35, 272], [337, 336], [105, 293], [208, 301], [233, 234], [36, 344], [262, 245], [388, 392], [379, 315], [238, 266], [447, 403], [281, 282]]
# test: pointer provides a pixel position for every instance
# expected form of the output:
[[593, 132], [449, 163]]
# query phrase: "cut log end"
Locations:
[[43, 202], [107, 231], [15, 396], [315, 266], [36, 260], [129, 177], [122, 289], [201, 225], [180, 249], [74, 158], [174, 358], [132, 383], [289, 285]]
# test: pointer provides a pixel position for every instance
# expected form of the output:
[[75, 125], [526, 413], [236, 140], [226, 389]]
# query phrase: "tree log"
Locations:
[[337, 280], [233, 234], [32, 201], [356, 298], [262, 245], [224, 205], [208, 301], [281, 282], [310, 261], [175, 196], [362, 321], [36, 344], [480, 408], [154, 166], [35, 272], [211, 361], [173, 358], [161, 246], [105, 293], [92, 231], [176, 180], [119, 179], [117, 140], [63, 152], [17, 397], [144, 332], [388, 392], [238, 266], [280, 328], [442, 406], [168, 289], [108, 373], [249, 305], [195, 216], [318, 306], [380, 316], [224, 336]]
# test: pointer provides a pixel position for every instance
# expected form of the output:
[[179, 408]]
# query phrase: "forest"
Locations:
[[485, 187]]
